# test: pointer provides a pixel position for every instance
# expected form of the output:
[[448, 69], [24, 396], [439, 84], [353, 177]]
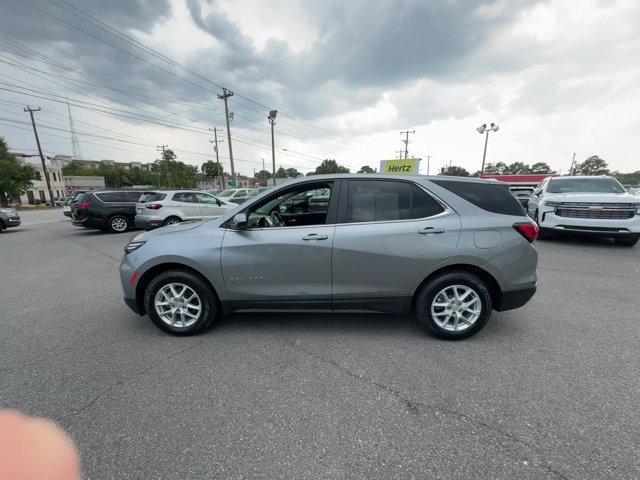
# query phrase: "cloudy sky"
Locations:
[[345, 76]]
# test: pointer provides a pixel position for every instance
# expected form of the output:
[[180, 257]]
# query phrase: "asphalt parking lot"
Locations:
[[548, 391]]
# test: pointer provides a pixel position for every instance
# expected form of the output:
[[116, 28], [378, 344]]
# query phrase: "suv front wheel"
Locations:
[[180, 303], [454, 305]]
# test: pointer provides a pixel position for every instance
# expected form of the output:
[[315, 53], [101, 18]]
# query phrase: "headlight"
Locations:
[[131, 246], [638, 211]]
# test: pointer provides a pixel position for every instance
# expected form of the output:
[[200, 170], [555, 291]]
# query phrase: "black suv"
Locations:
[[112, 210]]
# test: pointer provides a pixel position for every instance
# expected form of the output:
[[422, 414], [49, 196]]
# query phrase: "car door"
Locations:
[[536, 196], [187, 204], [390, 234], [209, 207], [281, 267]]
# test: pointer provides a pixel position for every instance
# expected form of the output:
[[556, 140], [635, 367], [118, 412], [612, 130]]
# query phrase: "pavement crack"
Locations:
[[138, 374], [413, 406]]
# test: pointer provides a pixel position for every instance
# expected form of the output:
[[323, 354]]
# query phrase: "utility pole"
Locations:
[[428, 161], [573, 164], [162, 148], [215, 148], [400, 153], [225, 95], [272, 120], [406, 141], [44, 166]]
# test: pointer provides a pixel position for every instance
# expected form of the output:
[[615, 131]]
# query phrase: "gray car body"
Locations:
[[371, 266]]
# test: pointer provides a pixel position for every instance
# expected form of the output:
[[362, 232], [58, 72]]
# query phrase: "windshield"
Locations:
[[585, 185], [225, 193]]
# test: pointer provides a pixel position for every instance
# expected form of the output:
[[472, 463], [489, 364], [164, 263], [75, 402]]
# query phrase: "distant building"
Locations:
[[38, 192], [80, 183], [64, 160]]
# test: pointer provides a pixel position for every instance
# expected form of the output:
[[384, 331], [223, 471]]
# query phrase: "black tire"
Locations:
[[429, 291], [171, 221], [629, 241], [118, 224], [210, 309], [2, 227]]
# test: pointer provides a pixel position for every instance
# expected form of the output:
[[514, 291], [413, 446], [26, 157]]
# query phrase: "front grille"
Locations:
[[603, 211]]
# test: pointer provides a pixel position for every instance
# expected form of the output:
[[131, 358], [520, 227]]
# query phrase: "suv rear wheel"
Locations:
[[118, 224], [454, 305], [629, 241], [180, 303]]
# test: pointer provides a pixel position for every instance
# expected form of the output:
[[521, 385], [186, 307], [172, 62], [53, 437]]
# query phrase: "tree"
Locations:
[[632, 178], [15, 178], [541, 167], [594, 165], [366, 169], [328, 167], [518, 168], [499, 168], [73, 169], [114, 177], [212, 169], [263, 175], [172, 173], [281, 173], [293, 173], [455, 171]]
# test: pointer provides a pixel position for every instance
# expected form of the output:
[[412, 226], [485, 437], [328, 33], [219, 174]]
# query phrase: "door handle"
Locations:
[[315, 236], [430, 231]]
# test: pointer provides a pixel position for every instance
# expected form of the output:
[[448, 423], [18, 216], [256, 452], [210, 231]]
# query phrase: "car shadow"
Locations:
[[567, 239]]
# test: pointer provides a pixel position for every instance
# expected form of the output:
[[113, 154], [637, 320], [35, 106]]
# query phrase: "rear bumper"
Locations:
[[515, 298], [89, 222], [133, 305], [148, 224]]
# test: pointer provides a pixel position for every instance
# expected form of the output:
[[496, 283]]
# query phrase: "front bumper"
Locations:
[[13, 221], [593, 226]]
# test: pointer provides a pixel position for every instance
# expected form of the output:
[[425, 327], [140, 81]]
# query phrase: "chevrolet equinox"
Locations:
[[449, 249]]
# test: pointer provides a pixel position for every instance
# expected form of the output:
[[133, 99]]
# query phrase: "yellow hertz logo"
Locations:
[[400, 167]]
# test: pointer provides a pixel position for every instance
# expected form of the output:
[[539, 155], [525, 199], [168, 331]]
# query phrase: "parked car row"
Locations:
[[9, 217], [120, 210]]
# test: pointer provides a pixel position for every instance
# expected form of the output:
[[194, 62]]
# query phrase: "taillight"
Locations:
[[528, 230], [153, 206], [83, 205]]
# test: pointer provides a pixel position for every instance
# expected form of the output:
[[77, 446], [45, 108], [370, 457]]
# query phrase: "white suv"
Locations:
[[159, 208], [596, 205]]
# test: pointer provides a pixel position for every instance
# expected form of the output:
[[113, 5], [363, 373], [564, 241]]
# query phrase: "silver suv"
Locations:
[[160, 208], [449, 249]]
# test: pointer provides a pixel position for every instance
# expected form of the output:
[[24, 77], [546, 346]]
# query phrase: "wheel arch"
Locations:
[[490, 280], [156, 270]]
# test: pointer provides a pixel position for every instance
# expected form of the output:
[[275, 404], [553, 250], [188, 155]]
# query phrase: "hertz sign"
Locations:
[[406, 166]]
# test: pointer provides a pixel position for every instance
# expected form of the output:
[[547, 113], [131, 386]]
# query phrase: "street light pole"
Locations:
[[272, 120], [482, 129]]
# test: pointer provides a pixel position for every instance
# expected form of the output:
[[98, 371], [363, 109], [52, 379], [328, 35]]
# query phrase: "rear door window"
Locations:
[[132, 196], [112, 197], [185, 197], [382, 200], [492, 197]]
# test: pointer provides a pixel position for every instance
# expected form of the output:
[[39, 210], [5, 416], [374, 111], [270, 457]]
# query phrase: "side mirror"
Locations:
[[218, 202], [239, 221]]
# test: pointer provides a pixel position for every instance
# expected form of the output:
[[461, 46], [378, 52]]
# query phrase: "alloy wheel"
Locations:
[[119, 224], [178, 305], [456, 308]]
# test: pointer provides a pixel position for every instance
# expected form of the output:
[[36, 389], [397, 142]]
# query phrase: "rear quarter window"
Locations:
[[495, 198], [152, 197]]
